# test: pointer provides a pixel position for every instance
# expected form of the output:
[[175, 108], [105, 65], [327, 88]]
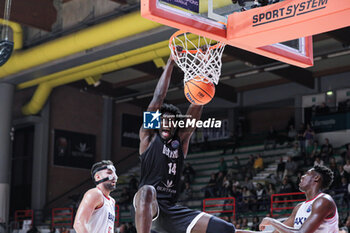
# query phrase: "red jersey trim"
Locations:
[[330, 217], [99, 207], [104, 194], [333, 215]]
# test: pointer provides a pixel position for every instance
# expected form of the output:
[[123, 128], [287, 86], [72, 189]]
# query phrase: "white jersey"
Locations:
[[102, 219], [329, 225]]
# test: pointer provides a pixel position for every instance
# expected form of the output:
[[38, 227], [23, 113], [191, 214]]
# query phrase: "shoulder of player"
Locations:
[[324, 203], [325, 199], [94, 193], [94, 198]]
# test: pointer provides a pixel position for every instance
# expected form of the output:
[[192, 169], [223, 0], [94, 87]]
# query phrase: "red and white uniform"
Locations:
[[102, 219], [329, 225]]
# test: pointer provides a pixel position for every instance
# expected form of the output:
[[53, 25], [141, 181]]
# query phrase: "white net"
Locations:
[[198, 57]]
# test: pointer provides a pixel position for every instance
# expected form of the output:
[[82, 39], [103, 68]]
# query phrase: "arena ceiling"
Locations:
[[241, 71]]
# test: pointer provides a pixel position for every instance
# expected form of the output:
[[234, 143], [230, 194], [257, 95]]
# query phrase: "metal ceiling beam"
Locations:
[[304, 76], [121, 46], [149, 68], [245, 56], [295, 74], [104, 88], [332, 71], [36, 13], [152, 70], [133, 81], [262, 85], [342, 35]]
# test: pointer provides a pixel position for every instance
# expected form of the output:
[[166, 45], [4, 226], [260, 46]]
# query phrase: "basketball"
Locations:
[[198, 92]]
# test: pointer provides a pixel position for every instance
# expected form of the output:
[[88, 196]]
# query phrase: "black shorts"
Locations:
[[174, 218]]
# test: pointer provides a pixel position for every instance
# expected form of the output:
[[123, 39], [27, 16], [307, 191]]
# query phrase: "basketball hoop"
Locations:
[[198, 57]]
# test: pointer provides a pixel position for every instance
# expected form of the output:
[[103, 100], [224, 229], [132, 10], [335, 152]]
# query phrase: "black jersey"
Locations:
[[161, 167]]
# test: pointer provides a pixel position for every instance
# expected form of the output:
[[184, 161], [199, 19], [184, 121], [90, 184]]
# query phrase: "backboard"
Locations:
[[260, 29]]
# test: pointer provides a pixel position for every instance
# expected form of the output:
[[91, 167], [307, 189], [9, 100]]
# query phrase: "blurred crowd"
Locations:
[[234, 176]]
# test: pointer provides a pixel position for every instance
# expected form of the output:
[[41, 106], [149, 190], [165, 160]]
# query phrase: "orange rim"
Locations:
[[193, 51]]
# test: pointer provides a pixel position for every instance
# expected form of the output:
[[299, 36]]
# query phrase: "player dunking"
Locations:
[[96, 211], [318, 214], [162, 154]]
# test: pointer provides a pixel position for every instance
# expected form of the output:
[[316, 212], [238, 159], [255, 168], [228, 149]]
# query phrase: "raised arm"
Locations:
[[162, 86], [321, 209], [290, 220], [185, 134], [91, 201], [157, 101]]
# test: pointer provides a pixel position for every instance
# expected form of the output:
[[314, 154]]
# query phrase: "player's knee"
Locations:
[[147, 193], [218, 225]]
